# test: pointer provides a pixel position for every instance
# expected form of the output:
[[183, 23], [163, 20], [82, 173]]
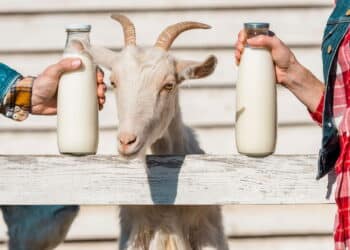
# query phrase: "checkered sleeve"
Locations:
[[17, 101], [318, 113]]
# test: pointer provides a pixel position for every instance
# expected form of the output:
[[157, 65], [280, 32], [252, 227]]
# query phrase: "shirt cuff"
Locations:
[[317, 115], [8, 77], [17, 102]]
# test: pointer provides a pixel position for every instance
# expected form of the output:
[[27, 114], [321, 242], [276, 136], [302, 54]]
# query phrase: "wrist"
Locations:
[[17, 102], [294, 75], [35, 99], [304, 85]]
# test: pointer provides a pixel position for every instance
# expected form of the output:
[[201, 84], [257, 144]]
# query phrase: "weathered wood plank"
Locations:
[[101, 222], [192, 179], [214, 140], [224, 75], [20, 6], [276, 243], [288, 23]]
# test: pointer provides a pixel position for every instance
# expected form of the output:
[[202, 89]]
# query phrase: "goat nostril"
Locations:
[[132, 141], [127, 139]]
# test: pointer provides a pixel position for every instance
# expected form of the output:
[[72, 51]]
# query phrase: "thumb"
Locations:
[[262, 41], [65, 65]]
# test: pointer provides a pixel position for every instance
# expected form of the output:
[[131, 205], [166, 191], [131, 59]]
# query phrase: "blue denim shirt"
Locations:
[[336, 28], [8, 77]]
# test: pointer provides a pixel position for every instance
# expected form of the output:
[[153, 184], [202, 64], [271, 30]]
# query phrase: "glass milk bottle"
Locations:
[[77, 107], [256, 107]]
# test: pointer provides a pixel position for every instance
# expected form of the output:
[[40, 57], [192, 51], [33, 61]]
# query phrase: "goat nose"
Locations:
[[126, 138]]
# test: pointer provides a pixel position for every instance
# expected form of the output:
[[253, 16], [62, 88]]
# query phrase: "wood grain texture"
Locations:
[[20, 6], [45, 32], [276, 243], [214, 140], [193, 179], [225, 73], [99, 223]]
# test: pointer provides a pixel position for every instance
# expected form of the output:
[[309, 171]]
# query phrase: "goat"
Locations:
[[146, 84]]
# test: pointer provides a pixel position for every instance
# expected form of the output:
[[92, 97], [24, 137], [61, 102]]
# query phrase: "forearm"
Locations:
[[304, 85]]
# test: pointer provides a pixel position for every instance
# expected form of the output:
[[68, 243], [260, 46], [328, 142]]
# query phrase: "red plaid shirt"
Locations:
[[341, 111]]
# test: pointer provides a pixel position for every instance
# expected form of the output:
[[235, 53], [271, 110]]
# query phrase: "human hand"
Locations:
[[44, 91], [282, 56], [289, 72]]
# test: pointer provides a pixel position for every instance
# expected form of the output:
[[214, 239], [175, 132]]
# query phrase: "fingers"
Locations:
[[242, 37], [269, 42], [99, 75], [65, 65], [101, 87]]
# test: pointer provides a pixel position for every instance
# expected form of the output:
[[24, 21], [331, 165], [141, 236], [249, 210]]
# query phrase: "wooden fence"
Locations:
[[166, 180], [177, 180]]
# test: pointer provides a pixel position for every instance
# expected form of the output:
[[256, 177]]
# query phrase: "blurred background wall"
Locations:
[[33, 36]]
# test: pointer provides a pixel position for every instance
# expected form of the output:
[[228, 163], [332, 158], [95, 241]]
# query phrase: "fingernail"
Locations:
[[76, 63]]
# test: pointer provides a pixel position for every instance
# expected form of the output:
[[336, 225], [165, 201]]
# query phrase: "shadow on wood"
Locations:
[[163, 177]]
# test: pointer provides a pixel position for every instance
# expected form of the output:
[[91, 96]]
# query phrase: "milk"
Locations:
[[77, 109], [256, 104]]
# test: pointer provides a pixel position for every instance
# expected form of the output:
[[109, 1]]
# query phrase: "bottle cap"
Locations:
[[256, 25], [78, 27]]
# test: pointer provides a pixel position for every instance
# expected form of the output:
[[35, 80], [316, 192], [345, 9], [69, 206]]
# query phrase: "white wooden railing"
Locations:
[[191, 179]]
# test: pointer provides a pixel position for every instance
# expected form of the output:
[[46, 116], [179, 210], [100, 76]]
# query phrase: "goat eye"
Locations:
[[113, 84], [168, 87]]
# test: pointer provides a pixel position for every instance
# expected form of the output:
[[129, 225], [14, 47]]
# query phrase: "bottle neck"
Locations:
[[256, 32], [72, 46]]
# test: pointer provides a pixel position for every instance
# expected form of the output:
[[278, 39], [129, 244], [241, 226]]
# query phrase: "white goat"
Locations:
[[146, 82]]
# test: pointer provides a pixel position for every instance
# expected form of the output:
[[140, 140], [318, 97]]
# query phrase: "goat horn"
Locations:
[[167, 37], [128, 29]]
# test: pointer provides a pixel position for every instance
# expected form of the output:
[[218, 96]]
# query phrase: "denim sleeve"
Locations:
[[8, 77]]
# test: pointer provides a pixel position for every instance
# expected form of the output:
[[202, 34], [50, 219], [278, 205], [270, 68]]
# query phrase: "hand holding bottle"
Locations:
[[289, 72], [44, 92], [282, 56]]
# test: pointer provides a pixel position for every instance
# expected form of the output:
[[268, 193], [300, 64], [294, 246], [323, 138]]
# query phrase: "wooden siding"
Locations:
[[278, 227]]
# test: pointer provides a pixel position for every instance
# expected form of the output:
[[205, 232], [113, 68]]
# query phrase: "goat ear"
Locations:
[[195, 70], [100, 55]]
